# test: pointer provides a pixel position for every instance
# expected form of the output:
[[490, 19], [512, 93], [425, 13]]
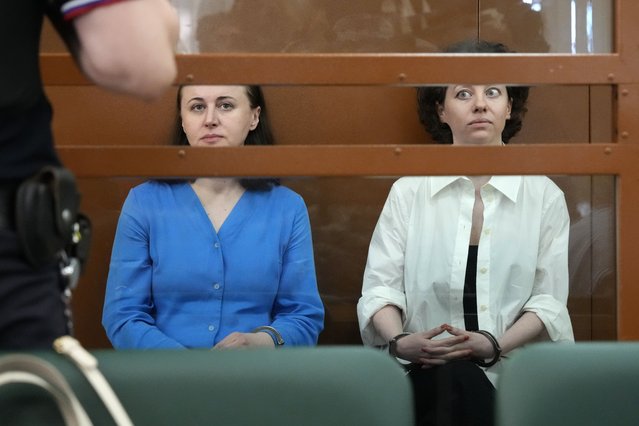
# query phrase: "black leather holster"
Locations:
[[47, 217]]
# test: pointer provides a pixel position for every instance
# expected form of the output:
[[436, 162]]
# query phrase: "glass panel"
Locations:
[[592, 260], [555, 26], [323, 25], [527, 26], [575, 26], [343, 213]]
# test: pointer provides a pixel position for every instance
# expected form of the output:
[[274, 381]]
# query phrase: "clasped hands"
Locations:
[[422, 348], [244, 340]]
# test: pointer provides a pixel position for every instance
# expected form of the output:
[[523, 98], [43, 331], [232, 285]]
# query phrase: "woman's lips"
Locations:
[[480, 121], [210, 138]]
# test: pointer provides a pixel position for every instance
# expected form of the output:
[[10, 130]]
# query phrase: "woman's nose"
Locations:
[[480, 103], [211, 118]]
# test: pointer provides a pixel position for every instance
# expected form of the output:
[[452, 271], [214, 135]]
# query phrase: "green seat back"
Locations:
[[328, 386], [594, 383]]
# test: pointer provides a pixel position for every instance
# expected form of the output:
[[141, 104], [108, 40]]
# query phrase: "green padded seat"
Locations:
[[585, 384], [327, 386]]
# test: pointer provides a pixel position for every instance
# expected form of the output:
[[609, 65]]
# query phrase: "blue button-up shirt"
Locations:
[[176, 282]]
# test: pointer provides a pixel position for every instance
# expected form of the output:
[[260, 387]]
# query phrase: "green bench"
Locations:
[[327, 386]]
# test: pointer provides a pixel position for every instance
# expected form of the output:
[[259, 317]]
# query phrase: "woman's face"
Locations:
[[476, 114], [217, 115]]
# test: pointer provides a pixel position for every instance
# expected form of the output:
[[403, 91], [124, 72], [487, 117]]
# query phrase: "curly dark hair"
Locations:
[[430, 98], [261, 135]]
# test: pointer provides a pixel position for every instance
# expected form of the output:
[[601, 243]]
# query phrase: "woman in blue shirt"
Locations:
[[214, 262]]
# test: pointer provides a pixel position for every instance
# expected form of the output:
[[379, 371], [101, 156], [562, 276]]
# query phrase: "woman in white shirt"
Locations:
[[461, 270]]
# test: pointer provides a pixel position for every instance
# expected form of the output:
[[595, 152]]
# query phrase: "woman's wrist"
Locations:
[[275, 336], [496, 349], [392, 344]]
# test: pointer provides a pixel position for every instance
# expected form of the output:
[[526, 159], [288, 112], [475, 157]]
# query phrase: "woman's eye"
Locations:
[[493, 92], [226, 106], [463, 94], [197, 107]]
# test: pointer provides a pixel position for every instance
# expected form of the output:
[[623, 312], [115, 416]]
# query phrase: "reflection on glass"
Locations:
[[527, 26], [592, 255], [588, 27], [575, 26]]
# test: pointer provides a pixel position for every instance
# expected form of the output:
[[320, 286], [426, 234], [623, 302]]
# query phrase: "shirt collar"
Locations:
[[507, 185], [437, 183]]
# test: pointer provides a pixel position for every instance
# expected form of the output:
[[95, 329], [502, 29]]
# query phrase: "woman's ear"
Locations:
[[509, 109], [255, 119], [440, 112]]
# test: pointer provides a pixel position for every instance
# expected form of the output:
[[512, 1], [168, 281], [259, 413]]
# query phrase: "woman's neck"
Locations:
[[218, 197], [217, 186], [479, 181]]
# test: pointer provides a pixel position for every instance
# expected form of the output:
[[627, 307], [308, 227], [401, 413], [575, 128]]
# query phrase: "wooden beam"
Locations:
[[349, 160], [386, 69]]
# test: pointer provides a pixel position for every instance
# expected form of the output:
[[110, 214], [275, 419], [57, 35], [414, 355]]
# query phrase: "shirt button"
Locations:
[[487, 232], [483, 270], [216, 245], [483, 308], [216, 286], [211, 328]]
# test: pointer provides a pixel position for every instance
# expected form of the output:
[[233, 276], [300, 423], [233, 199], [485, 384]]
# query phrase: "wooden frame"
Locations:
[[619, 157]]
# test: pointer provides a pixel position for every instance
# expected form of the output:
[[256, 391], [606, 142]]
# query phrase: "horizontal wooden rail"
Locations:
[[349, 160], [377, 69], [403, 69]]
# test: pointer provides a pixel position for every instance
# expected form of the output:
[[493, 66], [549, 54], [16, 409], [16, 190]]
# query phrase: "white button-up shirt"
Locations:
[[419, 249]]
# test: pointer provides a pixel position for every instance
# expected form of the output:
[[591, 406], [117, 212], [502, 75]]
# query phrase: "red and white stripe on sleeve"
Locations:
[[74, 8]]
